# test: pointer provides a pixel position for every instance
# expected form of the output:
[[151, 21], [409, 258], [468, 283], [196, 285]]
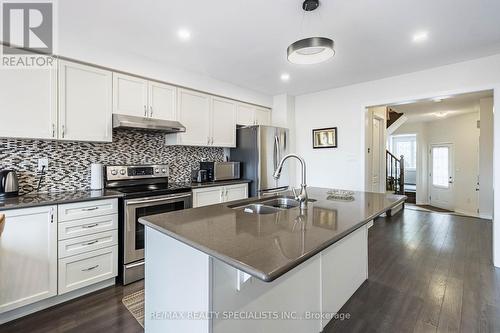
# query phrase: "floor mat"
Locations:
[[135, 305]]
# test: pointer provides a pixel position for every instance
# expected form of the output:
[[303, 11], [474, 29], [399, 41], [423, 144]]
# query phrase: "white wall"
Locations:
[[486, 158], [421, 131], [345, 108], [142, 66]]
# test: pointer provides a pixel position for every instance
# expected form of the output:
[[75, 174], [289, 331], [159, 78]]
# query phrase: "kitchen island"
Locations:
[[225, 268]]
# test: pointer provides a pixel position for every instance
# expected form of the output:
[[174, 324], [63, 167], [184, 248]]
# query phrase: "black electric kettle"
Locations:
[[9, 184]]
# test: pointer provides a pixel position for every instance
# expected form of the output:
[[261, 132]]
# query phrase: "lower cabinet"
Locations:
[[28, 256], [88, 243], [219, 194], [87, 268], [37, 262]]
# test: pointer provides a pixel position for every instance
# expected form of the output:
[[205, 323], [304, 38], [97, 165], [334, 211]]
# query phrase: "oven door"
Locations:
[[137, 208]]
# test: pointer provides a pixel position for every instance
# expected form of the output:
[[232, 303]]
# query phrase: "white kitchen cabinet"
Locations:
[[245, 115], [162, 101], [236, 192], [193, 111], [262, 117], [223, 122], [134, 96], [209, 120], [28, 256], [248, 115], [28, 100], [130, 95], [219, 194], [85, 103]]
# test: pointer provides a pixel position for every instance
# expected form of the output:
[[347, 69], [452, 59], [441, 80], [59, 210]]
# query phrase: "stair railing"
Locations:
[[395, 173]]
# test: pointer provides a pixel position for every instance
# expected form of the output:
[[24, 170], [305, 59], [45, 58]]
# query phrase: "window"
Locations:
[[405, 145], [440, 167]]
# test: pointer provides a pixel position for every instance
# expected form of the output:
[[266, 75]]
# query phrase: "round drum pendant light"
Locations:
[[312, 50]]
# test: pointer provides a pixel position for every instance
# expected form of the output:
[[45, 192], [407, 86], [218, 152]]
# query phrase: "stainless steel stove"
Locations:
[[146, 191]]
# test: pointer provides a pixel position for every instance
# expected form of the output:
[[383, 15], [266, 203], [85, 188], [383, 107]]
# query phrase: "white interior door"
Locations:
[[377, 147], [442, 176]]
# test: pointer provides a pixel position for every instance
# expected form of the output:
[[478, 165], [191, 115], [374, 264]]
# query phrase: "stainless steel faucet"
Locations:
[[302, 196]]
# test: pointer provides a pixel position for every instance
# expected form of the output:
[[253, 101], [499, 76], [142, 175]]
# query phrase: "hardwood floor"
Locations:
[[427, 273]]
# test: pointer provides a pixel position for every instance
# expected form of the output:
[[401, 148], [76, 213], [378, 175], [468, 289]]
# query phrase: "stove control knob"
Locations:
[[163, 170], [157, 170], [114, 172], [122, 172]]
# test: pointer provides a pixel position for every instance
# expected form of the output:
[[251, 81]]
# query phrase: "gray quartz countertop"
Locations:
[[54, 198], [268, 246], [219, 183]]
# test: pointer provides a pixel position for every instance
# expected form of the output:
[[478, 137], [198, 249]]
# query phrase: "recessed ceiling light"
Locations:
[[184, 34], [285, 77], [420, 36]]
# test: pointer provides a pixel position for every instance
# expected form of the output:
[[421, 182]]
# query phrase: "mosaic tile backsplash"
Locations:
[[69, 162]]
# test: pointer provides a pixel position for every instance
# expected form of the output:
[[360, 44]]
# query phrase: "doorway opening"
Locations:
[[437, 151]]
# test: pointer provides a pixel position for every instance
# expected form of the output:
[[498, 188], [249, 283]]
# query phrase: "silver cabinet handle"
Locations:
[[90, 268], [145, 111], [53, 130], [208, 140], [90, 209], [212, 142], [151, 111], [90, 226], [91, 242], [63, 131]]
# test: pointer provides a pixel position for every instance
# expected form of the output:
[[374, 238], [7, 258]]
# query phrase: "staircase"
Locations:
[[395, 173], [394, 120]]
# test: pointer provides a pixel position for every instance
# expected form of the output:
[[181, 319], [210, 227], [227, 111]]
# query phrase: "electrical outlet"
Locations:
[[43, 162]]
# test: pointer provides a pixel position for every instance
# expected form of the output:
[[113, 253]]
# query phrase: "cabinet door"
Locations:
[[28, 256], [236, 192], [245, 115], [262, 117], [85, 103], [208, 196], [223, 122], [130, 95], [28, 100], [162, 101], [194, 113]]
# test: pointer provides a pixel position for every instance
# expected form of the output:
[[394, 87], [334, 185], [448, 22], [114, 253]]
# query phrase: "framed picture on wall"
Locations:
[[325, 138]]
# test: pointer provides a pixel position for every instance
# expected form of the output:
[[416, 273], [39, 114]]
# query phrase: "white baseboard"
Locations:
[[47, 303]]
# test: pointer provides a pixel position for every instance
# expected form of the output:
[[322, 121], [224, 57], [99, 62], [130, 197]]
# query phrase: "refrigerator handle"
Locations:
[[277, 157]]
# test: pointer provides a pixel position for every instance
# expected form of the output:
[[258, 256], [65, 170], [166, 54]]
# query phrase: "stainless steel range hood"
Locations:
[[147, 124]]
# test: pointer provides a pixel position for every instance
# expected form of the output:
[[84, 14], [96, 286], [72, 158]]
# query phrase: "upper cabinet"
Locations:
[[134, 96], [209, 120], [85, 103], [248, 115], [130, 95], [28, 100], [223, 122]]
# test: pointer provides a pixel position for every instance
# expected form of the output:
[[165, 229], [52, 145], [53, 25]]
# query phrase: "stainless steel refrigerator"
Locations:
[[259, 149]]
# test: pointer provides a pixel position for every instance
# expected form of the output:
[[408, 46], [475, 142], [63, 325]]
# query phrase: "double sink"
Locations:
[[269, 206]]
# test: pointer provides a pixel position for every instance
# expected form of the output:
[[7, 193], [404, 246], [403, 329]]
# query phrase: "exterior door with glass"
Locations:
[[442, 176]]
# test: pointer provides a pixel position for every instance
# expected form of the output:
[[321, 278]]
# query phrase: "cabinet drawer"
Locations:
[[81, 210], [88, 268], [70, 247], [77, 228]]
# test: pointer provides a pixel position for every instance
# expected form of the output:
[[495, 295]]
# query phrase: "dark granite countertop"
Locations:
[[54, 198], [268, 246]]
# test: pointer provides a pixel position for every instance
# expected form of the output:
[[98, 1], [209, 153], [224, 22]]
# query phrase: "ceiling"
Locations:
[[442, 107], [244, 42]]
